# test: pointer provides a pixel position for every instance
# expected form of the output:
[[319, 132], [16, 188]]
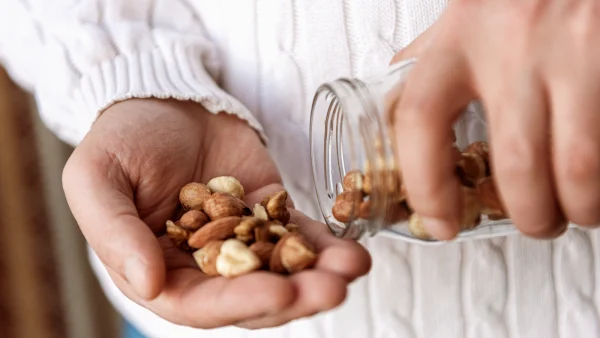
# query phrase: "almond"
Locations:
[[263, 250], [206, 258], [220, 205], [220, 229], [193, 195], [292, 254], [193, 220]]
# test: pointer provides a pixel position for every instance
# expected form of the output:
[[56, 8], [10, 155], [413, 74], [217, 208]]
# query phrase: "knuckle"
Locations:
[[579, 162], [519, 157]]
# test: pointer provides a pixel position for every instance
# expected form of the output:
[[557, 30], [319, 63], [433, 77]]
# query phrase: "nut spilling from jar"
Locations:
[[478, 192], [227, 238]]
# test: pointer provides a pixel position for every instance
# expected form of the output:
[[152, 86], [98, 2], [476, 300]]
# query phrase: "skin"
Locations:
[[122, 184], [535, 66]]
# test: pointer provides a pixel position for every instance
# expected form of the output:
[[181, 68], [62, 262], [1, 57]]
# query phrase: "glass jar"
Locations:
[[349, 131]]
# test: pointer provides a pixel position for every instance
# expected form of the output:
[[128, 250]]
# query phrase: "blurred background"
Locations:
[[47, 289]]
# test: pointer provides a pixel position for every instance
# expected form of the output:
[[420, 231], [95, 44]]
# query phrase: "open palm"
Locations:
[[122, 184]]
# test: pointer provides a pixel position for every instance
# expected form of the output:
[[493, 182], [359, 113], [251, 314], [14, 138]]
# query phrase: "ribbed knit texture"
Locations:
[[271, 56]]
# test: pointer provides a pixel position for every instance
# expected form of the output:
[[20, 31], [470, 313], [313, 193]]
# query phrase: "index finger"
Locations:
[[435, 92]]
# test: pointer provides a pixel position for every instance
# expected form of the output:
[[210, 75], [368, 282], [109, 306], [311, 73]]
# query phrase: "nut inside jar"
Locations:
[[480, 200]]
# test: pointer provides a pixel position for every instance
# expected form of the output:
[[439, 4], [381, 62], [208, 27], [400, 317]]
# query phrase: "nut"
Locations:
[[416, 227], [291, 227], [245, 230], [397, 212], [220, 229], [364, 210], [178, 235], [236, 259], [276, 206], [483, 150], [347, 205], [206, 258], [260, 212], [263, 250], [277, 230], [221, 205], [193, 220], [262, 234], [226, 184], [193, 195], [292, 254], [471, 167], [471, 215], [353, 181], [487, 194], [367, 183]]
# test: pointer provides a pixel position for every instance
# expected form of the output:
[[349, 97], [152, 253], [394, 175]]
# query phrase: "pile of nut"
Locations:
[[228, 239], [473, 169]]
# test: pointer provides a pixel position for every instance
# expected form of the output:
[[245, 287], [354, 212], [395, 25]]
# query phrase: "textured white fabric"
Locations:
[[81, 56]]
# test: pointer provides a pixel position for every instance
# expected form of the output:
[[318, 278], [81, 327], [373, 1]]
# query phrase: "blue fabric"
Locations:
[[131, 332]]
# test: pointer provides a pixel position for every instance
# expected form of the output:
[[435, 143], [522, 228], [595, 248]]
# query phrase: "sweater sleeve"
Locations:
[[78, 57]]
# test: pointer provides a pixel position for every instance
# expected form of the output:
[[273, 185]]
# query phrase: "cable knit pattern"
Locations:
[[268, 58]]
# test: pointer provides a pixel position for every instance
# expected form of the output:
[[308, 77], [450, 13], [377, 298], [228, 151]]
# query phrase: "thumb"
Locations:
[[101, 200]]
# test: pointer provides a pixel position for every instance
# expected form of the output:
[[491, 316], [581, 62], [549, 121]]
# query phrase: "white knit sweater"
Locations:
[[263, 60]]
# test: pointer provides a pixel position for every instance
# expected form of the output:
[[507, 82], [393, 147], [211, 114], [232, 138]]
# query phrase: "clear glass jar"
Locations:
[[349, 131]]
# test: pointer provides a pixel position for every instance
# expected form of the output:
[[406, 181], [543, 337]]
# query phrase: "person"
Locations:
[[158, 93]]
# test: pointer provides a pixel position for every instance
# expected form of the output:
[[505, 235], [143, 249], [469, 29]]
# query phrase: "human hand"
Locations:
[[535, 67], [122, 184]]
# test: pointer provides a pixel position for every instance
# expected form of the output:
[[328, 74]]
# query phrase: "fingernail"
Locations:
[[135, 273], [440, 229]]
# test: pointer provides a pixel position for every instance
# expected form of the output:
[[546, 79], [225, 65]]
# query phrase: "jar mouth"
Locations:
[[330, 156]]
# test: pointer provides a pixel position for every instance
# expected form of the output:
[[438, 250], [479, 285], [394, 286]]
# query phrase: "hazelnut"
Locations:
[[220, 205], [193, 220], [226, 184], [193, 195], [482, 149], [353, 181], [236, 259], [292, 254]]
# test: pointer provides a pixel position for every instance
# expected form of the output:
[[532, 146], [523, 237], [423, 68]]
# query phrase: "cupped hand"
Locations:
[[535, 66], [122, 184]]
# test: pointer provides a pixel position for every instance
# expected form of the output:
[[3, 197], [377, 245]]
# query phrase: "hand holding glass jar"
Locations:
[[532, 65]]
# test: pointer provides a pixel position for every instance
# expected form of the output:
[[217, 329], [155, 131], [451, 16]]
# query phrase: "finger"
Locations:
[[317, 291], [417, 46], [436, 91], [102, 204], [342, 257], [576, 105], [519, 123]]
